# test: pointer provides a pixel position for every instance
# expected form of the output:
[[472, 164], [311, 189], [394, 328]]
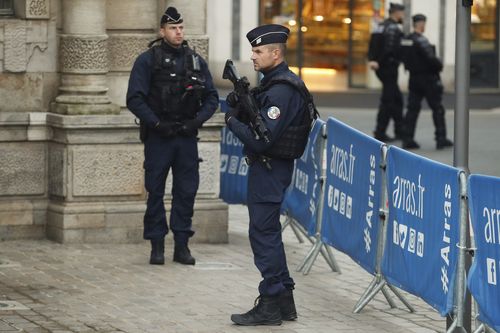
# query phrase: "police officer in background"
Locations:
[[287, 111], [384, 58], [424, 66], [171, 92]]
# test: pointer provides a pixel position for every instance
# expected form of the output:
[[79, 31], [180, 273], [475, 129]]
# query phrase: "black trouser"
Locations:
[[180, 154], [391, 101], [428, 86]]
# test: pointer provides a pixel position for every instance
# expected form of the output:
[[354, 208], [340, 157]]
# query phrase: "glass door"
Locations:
[[364, 17], [484, 44], [329, 39]]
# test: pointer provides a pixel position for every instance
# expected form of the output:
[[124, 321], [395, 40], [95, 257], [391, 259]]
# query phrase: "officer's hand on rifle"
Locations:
[[167, 129], [232, 99], [232, 112], [190, 127]]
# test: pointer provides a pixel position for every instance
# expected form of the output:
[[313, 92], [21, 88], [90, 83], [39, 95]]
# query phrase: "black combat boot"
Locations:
[[183, 255], [266, 311], [443, 143], [287, 305], [410, 144], [157, 252], [383, 137]]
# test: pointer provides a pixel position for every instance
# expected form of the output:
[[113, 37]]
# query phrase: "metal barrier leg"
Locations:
[[367, 291], [370, 296], [452, 327], [314, 255], [286, 223], [378, 284], [401, 298], [307, 257], [388, 297], [327, 253], [480, 329], [296, 231]]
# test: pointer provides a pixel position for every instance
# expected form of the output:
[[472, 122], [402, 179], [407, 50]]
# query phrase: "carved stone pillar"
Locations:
[[83, 55]]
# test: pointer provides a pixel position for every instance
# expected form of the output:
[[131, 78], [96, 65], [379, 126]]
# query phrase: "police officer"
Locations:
[[384, 58], [171, 92], [424, 67], [287, 111]]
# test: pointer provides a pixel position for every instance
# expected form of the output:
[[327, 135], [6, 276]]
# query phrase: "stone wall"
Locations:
[[71, 164]]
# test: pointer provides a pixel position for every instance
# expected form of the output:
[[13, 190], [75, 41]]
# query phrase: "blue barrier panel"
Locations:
[[233, 168], [423, 227], [352, 193], [302, 197], [484, 275]]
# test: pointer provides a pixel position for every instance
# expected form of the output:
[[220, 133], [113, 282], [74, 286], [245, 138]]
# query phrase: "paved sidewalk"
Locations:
[[111, 288]]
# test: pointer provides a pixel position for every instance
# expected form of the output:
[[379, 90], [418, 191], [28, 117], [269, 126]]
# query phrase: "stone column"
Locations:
[[96, 185], [84, 59]]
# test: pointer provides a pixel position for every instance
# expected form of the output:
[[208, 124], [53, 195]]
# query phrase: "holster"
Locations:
[[143, 132]]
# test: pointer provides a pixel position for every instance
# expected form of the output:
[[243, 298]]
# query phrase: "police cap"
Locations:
[[268, 34], [418, 17], [172, 16], [395, 7]]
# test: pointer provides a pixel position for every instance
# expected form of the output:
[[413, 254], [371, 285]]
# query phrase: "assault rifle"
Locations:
[[246, 101]]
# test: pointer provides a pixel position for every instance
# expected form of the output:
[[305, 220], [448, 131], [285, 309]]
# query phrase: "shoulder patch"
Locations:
[[273, 112]]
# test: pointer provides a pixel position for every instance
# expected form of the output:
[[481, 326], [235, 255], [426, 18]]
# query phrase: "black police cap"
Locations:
[[395, 6], [418, 17], [268, 34], [171, 16]]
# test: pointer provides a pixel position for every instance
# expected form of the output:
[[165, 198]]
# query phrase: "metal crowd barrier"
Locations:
[[379, 282]]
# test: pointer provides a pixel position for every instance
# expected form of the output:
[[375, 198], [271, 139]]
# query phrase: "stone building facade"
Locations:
[[71, 163]]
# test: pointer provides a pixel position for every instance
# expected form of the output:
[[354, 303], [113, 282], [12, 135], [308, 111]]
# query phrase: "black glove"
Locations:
[[232, 112], [232, 99], [167, 129], [190, 127]]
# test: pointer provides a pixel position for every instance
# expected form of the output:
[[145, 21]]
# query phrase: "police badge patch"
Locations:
[[273, 112]]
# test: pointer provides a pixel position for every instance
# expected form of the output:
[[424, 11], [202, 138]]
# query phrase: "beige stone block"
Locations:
[[15, 57], [23, 169], [118, 85], [21, 92], [58, 171], [20, 232], [209, 169], [124, 49], [16, 218], [32, 9], [125, 220], [113, 235], [76, 236], [131, 14], [109, 170], [17, 212], [13, 133]]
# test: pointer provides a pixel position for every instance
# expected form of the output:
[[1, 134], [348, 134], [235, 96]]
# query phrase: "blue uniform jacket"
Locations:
[[266, 185], [140, 82], [280, 95]]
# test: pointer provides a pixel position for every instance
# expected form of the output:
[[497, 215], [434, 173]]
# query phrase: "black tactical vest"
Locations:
[[177, 84], [292, 143]]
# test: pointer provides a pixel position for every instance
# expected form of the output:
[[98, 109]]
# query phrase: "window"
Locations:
[[484, 44], [6, 7]]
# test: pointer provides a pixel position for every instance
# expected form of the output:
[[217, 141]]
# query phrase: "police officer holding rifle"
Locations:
[[273, 122]]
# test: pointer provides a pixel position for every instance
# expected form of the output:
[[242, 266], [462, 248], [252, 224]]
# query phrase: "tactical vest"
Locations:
[[175, 96], [293, 141]]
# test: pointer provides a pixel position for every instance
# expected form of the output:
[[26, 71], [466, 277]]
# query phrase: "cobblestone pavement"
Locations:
[[111, 288]]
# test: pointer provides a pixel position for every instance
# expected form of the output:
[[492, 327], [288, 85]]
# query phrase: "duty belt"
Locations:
[[259, 158]]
